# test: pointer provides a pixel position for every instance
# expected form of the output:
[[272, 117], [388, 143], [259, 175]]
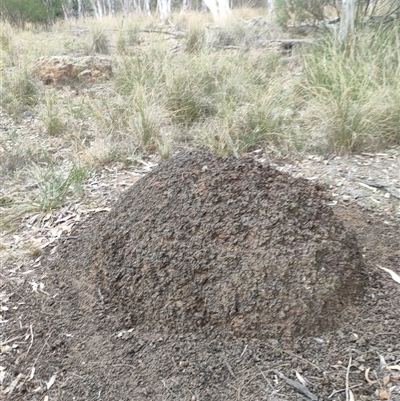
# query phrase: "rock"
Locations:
[[65, 70], [235, 248]]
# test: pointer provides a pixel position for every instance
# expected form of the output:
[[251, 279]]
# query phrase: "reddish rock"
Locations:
[[64, 70]]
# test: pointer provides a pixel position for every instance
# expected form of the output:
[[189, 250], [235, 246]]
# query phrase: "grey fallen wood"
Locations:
[[298, 387], [386, 187]]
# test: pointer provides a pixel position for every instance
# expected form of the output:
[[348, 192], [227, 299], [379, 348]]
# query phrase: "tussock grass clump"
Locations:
[[195, 38], [143, 70], [354, 89], [51, 187], [51, 115], [192, 91], [100, 40], [17, 154], [7, 50], [241, 96], [18, 92]]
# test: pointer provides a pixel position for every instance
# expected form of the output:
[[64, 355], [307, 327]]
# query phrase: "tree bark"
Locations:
[[219, 9], [164, 9], [346, 19], [146, 7]]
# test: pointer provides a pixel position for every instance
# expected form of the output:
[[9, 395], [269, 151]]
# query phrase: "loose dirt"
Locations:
[[227, 245], [206, 280]]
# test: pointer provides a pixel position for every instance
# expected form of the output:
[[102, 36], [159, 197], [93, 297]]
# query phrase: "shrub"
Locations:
[[19, 12]]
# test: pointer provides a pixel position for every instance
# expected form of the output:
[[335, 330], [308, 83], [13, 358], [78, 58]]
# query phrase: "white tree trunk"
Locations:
[[111, 7], [79, 8], [346, 19], [186, 5], [100, 12], [164, 9], [212, 6], [146, 7], [270, 6], [125, 7], [219, 9], [223, 9]]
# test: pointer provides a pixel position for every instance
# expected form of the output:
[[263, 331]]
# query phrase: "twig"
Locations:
[[30, 345], [244, 350], [347, 380], [40, 352], [11, 340], [265, 378], [176, 34], [298, 386], [124, 364], [301, 358], [45, 342], [229, 368], [343, 389]]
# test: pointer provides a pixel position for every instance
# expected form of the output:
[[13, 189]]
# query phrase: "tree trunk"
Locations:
[[94, 6], [346, 19], [186, 5], [219, 9], [164, 9], [223, 9], [100, 11], [79, 8], [146, 7], [270, 6]]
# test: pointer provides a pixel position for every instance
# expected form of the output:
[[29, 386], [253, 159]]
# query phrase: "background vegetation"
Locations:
[[227, 88]]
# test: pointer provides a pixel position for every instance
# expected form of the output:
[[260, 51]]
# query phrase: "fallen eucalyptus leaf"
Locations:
[[51, 381], [394, 275]]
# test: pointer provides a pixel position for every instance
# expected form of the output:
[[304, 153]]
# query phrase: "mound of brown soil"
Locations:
[[226, 245]]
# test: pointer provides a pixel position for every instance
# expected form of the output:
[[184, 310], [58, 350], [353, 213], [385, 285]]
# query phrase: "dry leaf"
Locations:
[[34, 286], [383, 395], [13, 384], [301, 379], [5, 297], [386, 380], [393, 367], [51, 381], [32, 373], [5, 349], [367, 376], [394, 275], [2, 376], [382, 362]]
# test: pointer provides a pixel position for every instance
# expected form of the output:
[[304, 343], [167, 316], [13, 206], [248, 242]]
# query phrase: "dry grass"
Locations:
[[223, 88]]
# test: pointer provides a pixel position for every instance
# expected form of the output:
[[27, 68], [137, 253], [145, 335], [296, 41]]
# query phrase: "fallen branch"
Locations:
[[343, 389], [229, 368], [297, 386], [347, 380]]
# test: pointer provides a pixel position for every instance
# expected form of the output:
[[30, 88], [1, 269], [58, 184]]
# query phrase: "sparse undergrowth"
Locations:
[[225, 89]]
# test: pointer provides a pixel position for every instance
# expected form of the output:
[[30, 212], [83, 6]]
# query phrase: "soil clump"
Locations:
[[226, 245]]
